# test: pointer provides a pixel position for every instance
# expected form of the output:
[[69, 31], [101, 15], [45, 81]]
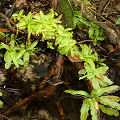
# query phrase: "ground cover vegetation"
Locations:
[[61, 39]]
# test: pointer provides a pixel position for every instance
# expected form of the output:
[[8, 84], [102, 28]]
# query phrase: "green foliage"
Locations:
[[109, 111], [1, 103], [50, 28], [80, 92], [17, 54], [118, 21], [95, 33], [84, 109], [64, 41], [38, 23], [96, 100], [93, 109], [92, 72]]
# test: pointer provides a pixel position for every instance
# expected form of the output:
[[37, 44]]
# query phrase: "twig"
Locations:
[[60, 109], [113, 36], [7, 21], [47, 92], [5, 117], [4, 39], [92, 41]]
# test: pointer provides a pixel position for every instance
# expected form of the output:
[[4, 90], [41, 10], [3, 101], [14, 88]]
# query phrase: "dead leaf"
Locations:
[[74, 58], [19, 2], [4, 30]]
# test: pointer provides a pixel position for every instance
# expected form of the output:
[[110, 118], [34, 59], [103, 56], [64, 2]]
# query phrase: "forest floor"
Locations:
[[29, 93]]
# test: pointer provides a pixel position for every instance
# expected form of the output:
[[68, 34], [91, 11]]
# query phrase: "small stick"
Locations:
[[5, 117], [92, 41], [7, 21]]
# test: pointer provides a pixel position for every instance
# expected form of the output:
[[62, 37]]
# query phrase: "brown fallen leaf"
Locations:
[[19, 2], [4, 30], [74, 58]]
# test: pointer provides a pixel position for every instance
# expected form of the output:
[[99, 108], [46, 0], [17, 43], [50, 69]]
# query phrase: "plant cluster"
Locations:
[[95, 32], [97, 100], [17, 54], [94, 73], [49, 27]]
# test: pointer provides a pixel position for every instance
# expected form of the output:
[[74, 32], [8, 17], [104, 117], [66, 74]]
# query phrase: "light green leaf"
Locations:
[[109, 102], [26, 58], [95, 83], [8, 60], [83, 71], [2, 45], [107, 90], [107, 80], [12, 44], [20, 53], [91, 32], [84, 109], [99, 71], [7, 57], [1, 104], [96, 33], [13, 57], [100, 38], [88, 75], [75, 21], [79, 92], [2, 34], [118, 21], [93, 110], [50, 45], [92, 64], [7, 65], [22, 25], [109, 111], [20, 62], [21, 12], [1, 94], [37, 16], [31, 47], [111, 97]]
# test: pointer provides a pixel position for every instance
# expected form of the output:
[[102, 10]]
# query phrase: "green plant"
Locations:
[[95, 33], [62, 39], [1, 103], [94, 73], [98, 101], [38, 23], [118, 21], [17, 54], [50, 28]]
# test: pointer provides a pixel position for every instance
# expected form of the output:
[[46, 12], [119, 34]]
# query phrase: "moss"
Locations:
[[65, 8]]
